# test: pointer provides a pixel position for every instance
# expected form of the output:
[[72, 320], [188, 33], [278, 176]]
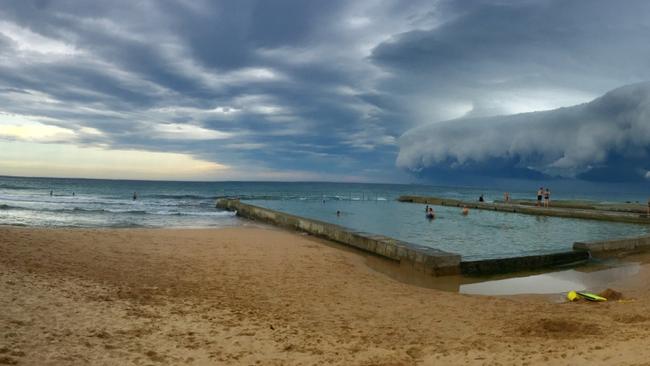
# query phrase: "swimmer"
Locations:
[[135, 196], [338, 213], [465, 211], [430, 214]]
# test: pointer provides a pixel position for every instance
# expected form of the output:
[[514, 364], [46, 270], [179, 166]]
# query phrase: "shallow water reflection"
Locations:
[[595, 275], [554, 282]]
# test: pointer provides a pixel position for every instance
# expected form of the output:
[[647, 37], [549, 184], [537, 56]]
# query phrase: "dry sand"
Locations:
[[247, 296]]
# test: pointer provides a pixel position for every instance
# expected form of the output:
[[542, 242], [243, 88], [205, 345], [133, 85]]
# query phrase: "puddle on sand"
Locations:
[[553, 282], [595, 275]]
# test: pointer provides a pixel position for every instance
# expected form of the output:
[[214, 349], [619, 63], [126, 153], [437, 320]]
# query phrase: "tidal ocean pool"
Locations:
[[480, 235], [372, 208]]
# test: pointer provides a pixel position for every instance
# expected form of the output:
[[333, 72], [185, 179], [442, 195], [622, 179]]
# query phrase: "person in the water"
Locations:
[[430, 213], [465, 211], [135, 196]]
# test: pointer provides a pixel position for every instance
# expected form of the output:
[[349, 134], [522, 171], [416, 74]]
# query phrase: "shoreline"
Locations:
[[248, 295]]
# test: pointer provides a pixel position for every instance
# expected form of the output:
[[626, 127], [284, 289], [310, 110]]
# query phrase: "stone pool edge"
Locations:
[[584, 214], [423, 259], [605, 248], [429, 260]]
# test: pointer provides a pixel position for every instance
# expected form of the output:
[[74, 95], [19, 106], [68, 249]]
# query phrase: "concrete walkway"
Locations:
[[629, 207], [593, 212]]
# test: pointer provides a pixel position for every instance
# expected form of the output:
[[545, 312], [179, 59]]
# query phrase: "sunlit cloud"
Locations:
[[28, 128], [35, 132], [176, 131], [28, 41]]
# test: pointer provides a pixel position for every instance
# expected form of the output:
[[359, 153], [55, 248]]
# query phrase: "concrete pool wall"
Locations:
[[429, 260], [424, 259], [610, 247]]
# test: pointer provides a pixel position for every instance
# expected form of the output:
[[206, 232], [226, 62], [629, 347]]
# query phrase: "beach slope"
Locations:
[[262, 296]]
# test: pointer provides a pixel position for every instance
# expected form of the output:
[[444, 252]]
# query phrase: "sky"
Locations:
[[304, 90]]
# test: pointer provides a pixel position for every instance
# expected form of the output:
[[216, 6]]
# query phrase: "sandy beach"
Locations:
[[247, 296]]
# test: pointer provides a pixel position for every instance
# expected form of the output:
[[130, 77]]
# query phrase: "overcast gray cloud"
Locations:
[[272, 85], [310, 88]]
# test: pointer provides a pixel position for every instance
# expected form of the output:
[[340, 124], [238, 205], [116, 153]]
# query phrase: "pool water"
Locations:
[[480, 235]]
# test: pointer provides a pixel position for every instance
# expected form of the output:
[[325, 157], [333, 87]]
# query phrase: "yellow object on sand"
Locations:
[[572, 296], [591, 297]]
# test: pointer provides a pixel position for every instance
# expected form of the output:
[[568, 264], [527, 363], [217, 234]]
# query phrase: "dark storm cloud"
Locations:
[[294, 85], [497, 58], [606, 139]]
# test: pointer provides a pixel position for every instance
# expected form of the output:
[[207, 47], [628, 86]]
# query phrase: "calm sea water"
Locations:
[[365, 207]]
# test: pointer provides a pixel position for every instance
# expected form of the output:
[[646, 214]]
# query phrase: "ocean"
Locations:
[[97, 203]]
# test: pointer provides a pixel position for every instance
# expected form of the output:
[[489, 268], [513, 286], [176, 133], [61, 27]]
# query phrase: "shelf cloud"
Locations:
[[605, 139]]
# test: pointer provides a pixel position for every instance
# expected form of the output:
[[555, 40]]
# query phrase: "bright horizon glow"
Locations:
[[57, 160], [70, 161]]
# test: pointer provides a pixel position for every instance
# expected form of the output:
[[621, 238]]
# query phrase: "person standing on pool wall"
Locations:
[[547, 198], [540, 192]]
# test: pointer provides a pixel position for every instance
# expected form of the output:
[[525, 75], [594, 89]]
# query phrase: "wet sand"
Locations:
[[246, 296]]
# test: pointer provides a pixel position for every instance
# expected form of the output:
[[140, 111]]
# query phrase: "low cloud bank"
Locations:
[[607, 139]]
